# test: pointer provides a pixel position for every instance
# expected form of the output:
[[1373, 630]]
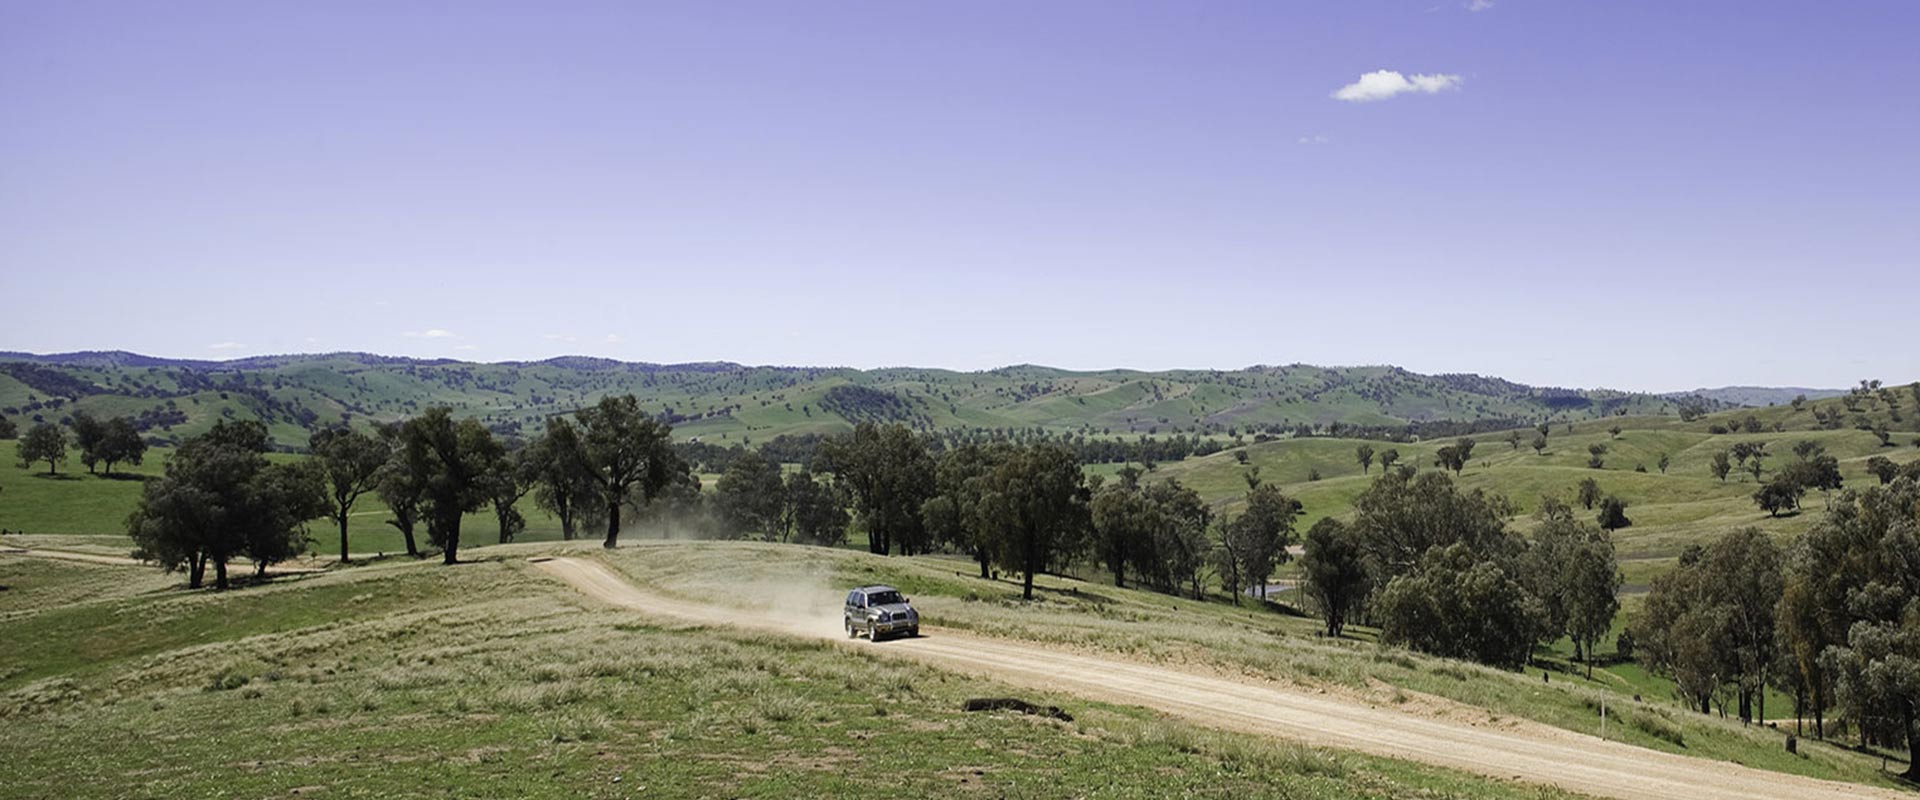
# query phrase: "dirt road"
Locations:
[[123, 561], [1531, 753]]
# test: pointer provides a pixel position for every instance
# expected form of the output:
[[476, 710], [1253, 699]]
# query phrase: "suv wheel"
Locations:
[[851, 633]]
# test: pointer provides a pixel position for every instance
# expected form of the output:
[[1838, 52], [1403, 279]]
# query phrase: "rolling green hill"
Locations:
[[730, 403]]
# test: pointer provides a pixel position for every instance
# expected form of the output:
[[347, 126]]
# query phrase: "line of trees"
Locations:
[[102, 444], [1438, 571], [1833, 619]]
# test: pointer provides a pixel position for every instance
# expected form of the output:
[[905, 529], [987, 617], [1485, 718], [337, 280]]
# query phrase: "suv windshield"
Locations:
[[883, 598]]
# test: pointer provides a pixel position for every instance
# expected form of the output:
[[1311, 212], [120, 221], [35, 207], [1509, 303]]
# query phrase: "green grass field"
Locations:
[[487, 680]]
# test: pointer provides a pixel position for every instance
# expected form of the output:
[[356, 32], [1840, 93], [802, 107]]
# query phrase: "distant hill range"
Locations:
[[1760, 396], [729, 403]]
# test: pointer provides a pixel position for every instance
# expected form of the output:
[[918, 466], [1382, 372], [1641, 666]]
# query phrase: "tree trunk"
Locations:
[[613, 525], [566, 525], [343, 536], [406, 531], [1030, 563], [451, 554], [980, 555], [1913, 746], [220, 574], [196, 571]]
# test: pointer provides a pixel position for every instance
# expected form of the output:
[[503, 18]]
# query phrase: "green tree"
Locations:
[[1400, 517], [1711, 623], [1589, 493], [1364, 454], [1455, 604], [1252, 544], [510, 476], [220, 499], [1664, 461], [43, 442], [751, 496], [121, 443], [1334, 573], [88, 433], [1123, 524], [814, 512], [1883, 468], [8, 430], [1513, 439], [400, 488], [1721, 465], [563, 481], [1038, 499], [1387, 459], [1540, 444], [952, 516], [1863, 586], [452, 460], [629, 454], [1592, 579], [890, 476], [350, 465], [1596, 455], [1614, 432], [1613, 514]]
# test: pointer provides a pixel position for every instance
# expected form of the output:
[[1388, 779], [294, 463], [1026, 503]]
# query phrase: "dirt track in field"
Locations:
[[1527, 752]]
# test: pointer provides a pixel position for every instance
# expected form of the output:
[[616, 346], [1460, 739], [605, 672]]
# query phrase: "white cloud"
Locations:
[[432, 333], [225, 346], [1477, 6], [1386, 83], [466, 347], [614, 338], [1318, 138]]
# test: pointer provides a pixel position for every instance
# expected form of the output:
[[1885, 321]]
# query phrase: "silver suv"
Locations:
[[878, 611]]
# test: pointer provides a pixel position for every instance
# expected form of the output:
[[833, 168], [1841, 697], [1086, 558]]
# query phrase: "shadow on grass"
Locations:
[[56, 476]]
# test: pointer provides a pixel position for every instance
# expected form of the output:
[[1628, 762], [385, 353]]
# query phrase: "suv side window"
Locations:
[[859, 600], [850, 598]]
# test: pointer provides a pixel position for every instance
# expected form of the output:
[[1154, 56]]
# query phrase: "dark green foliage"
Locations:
[[1038, 502], [220, 499], [563, 481], [1613, 514], [8, 430], [1334, 572], [1253, 543], [1883, 468], [1596, 455], [1400, 517], [1710, 624], [350, 463], [629, 456], [451, 462], [1779, 495], [814, 512], [890, 476], [1572, 571], [1454, 603], [1364, 454], [1857, 585], [44, 441], [1158, 531], [1721, 465], [750, 497], [1589, 494]]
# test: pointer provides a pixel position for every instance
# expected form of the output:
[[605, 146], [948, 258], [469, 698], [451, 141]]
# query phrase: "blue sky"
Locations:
[[1639, 195]]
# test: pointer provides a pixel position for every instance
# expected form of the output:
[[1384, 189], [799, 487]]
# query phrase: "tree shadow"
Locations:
[[58, 476], [124, 476]]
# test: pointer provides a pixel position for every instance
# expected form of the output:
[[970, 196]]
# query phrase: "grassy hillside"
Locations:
[[729, 403], [486, 680], [1684, 505]]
